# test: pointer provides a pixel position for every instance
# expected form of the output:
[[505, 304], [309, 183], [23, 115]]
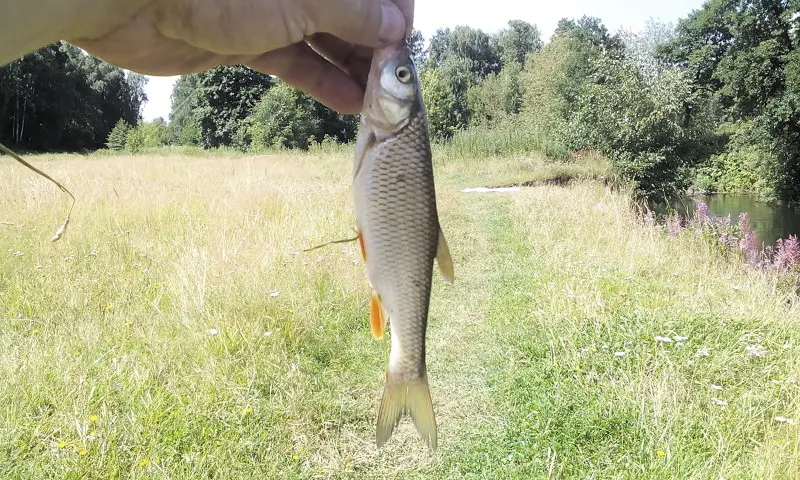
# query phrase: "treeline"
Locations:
[[712, 103], [743, 60], [60, 99]]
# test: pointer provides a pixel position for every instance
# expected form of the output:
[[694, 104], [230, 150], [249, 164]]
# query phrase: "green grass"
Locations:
[[175, 332]]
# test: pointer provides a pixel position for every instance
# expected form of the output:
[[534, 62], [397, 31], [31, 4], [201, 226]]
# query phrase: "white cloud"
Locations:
[[491, 16]]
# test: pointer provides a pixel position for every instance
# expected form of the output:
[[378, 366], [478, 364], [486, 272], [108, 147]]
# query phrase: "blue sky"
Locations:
[[491, 16]]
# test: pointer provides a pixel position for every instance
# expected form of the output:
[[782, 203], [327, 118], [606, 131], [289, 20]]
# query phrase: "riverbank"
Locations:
[[175, 331]]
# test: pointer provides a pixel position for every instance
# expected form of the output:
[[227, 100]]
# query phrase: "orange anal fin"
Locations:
[[377, 317]]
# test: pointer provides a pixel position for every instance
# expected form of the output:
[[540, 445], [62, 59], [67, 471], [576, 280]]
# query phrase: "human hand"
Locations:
[[170, 37]]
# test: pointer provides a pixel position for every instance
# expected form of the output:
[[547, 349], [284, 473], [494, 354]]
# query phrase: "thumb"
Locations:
[[371, 23]]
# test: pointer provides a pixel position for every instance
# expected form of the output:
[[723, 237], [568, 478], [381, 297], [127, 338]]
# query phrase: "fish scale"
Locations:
[[398, 226]]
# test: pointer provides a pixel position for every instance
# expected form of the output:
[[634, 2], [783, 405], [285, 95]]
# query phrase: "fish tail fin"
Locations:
[[401, 396]]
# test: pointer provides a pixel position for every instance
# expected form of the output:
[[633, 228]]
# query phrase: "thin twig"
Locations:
[[63, 228], [331, 243]]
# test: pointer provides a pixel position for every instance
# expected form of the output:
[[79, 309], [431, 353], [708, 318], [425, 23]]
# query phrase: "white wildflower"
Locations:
[[19, 254], [679, 338], [620, 354], [702, 353], [213, 332], [661, 339], [267, 334], [719, 403], [755, 350], [717, 387], [785, 420], [787, 345], [274, 293]]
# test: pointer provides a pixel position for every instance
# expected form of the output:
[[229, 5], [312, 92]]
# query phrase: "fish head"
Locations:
[[392, 93]]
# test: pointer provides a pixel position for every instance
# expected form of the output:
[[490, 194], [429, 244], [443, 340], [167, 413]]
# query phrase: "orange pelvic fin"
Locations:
[[377, 316]]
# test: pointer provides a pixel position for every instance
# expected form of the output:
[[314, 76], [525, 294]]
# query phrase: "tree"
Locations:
[[58, 98], [589, 32], [444, 91], [118, 135], [289, 118], [282, 118], [517, 41], [417, 44], [744, 53], [471, 45], [225, 98], [641, 47], [183, 122], [496, 98]]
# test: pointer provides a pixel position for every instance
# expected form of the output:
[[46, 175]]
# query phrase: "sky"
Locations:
[[491, 17]]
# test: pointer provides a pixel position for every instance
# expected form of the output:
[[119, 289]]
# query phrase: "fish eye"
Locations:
[[403, 74]]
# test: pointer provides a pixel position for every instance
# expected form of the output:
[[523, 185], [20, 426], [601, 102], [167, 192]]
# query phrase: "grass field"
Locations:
[[177, 332]]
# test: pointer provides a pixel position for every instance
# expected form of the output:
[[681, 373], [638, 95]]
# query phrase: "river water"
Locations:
[[769, 221]]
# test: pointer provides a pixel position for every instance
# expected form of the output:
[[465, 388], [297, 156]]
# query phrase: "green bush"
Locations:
[[118, 135], [134, 141], [283, 118]]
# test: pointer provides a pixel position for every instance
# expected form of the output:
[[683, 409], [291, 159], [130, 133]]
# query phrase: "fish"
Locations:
[[397, 225]]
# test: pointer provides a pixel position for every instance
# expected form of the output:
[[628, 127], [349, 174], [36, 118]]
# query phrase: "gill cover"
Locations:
[[392, 90]]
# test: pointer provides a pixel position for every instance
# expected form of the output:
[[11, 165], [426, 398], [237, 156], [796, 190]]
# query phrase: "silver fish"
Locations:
[[399, 232]]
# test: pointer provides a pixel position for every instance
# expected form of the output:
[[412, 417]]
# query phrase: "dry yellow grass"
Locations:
[[176, 331]]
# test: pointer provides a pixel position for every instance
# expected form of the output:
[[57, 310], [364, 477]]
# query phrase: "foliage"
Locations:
[[288, 118], [643, 126], [147, 135], [497, 97], [545, 79], [225, 97], [517, 41], [745, 164], [58, 98], [282, 118], [135, 140], [417, 43], [183, 122], [745, 55], [444, 91], [641, 48], [471, 47], [155, 133], [118, 135]]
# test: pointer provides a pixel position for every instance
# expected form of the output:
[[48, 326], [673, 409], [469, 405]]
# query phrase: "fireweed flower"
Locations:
[[674, 225], [701, 216], [787, 254], [749, 241]]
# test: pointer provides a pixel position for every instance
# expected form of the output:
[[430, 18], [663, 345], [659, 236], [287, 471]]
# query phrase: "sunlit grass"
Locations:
[[177, 331]]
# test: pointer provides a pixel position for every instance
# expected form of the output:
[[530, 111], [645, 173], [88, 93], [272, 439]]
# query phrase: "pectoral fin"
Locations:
[[444, 260], [361, 243]]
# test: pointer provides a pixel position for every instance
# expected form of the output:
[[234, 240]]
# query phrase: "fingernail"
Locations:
[[393, 25]]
